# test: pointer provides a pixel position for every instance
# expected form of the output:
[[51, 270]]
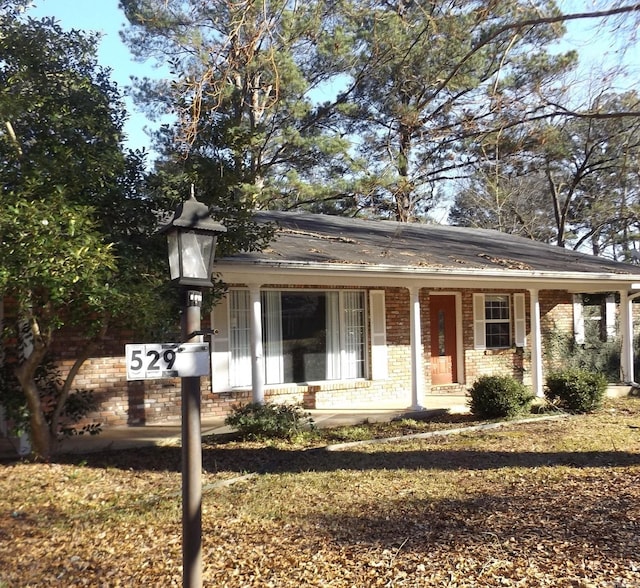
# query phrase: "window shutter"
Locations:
[[379, 369], [520, 320], [479, 331], [220, 354], [610, 316], [578, 319]]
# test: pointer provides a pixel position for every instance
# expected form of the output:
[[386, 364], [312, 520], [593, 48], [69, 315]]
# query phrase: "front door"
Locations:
[[443, 340]]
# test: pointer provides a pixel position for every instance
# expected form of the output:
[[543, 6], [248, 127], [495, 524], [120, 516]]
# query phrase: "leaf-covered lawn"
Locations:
[[552, 503]]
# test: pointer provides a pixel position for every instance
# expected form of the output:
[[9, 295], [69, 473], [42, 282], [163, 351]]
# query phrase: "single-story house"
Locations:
[[348, 313], [343, 313]]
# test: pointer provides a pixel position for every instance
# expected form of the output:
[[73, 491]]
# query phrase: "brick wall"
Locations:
[[152, 401]]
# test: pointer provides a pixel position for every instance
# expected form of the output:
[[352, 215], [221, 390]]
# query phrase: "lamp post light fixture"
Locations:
[[191, 235]]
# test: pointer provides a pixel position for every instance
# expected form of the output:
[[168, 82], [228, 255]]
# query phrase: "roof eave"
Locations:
[[267, 271]]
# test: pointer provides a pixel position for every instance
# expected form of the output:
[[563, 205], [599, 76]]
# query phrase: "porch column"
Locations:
[[417, 384], [536, 345], [626, 332], [257, 378]]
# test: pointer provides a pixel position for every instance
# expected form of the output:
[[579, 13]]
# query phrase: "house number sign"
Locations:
[[167, 360]]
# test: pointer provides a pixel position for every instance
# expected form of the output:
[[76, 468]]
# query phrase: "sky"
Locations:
[[105, 17]]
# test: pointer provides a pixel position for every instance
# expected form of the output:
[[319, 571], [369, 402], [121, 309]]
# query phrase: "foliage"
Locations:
[[49, 382], [77, 225], [499, 396], [576, 390], [348, 107], [582, 172], [73, 222], [562, 351], [242, 76], [432, 80], [511, 204], [173, 178], [264, 421]]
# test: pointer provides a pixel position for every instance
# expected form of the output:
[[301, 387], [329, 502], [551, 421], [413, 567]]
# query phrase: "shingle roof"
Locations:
[[324, 239]]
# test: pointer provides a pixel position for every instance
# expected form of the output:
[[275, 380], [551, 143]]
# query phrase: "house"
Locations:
[[349, 313], [343, 313]]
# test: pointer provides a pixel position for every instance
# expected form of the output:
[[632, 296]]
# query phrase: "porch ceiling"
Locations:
[[332, 250]]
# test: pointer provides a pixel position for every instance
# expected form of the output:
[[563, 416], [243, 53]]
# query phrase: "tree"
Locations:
[[416, 84], [243, 73], [437, 75], [606, 214], [70, 252], [506, 203], [580, 173]]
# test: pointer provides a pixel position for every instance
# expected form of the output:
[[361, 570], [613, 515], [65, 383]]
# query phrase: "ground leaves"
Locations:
[[549, 504]]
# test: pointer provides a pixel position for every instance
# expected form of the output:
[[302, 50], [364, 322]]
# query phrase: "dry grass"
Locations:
[[552, 503]]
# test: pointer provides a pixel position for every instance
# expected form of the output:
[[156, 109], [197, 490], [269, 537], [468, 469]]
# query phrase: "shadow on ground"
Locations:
[[272, 460]]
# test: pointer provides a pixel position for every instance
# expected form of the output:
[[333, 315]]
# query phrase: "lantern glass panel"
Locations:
[[196, 255], [174, 254]]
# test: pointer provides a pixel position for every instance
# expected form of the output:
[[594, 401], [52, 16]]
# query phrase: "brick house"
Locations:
[[341, 313], [348, 313]]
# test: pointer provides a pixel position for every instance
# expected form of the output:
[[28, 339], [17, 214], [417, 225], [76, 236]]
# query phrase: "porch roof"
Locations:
[[321, 245]]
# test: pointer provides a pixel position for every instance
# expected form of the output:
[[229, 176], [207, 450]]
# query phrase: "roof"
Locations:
[[331, 242]]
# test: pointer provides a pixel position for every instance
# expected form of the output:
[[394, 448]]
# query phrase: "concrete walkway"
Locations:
[[126, 437]]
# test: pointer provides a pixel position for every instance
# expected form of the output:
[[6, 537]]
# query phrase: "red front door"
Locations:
[[443, 340]]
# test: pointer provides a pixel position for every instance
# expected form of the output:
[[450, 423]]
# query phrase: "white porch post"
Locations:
[[536, 345], [257, 377], [626, 331], [417, 384]]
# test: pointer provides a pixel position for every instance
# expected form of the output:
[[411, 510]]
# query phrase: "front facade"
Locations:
[[391, 347], [350, 314]]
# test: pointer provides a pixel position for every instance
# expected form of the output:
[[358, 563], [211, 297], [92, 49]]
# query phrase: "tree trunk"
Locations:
[[41, 435], [404, 188], [86, 353], [42, 441]]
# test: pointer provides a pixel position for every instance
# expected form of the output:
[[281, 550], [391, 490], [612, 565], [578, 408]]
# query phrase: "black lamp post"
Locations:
[[191, 236]]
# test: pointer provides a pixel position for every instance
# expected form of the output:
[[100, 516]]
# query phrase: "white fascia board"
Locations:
[[379, 275]]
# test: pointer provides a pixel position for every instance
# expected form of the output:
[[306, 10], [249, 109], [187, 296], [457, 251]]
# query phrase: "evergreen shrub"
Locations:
[[269, 421], [576, 390], [499, 397]]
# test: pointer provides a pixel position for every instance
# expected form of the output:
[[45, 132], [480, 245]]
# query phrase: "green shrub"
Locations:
[[269, 421], [576, 390], [562, 352], [499, 397]]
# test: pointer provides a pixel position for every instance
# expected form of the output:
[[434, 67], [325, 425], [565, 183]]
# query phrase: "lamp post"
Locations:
[[191, 236]]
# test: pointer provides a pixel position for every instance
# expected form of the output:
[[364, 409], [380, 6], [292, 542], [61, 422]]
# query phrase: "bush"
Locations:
[[576, 390], [269, 421], [499, 397], [562, 352]]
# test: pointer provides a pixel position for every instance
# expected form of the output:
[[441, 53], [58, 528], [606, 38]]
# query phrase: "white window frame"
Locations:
[[607, 318], [516, 320]]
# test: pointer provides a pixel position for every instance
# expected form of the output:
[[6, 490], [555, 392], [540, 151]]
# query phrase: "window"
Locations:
[[594, 317], [307, 336], [492, 314], [497, 321]]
